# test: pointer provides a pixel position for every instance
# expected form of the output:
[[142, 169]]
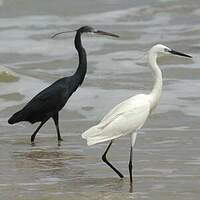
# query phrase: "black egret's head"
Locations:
[[162, 49], [88, 29]]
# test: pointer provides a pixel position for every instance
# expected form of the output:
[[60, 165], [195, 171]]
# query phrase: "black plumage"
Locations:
[[51, 100]]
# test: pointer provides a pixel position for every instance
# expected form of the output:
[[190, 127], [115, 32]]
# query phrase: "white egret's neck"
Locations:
[[157, 87]]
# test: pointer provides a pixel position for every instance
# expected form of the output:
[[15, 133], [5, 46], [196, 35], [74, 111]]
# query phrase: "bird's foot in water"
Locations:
[[59, 141], [131, 188], [32, 143]]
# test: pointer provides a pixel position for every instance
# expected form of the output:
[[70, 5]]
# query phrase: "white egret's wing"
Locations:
[[123, 119], [132, 105]]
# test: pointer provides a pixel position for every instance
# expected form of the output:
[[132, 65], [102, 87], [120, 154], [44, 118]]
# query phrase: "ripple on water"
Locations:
[[166, 155]]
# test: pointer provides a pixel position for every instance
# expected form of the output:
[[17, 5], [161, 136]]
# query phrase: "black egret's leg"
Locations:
[[56, 119], [36, 131], [130, 165], [106, 161]]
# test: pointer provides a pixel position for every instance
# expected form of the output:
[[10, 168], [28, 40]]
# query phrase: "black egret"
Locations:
[[130, 115], [52, 99]]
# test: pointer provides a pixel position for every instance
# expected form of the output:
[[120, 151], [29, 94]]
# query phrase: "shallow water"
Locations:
[[166, 155]]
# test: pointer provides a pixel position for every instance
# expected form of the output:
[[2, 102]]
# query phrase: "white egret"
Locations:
[[129, 116]]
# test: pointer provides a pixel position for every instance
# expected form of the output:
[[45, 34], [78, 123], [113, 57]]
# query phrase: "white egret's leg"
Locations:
[[106, 161], [133, 139], [130, 165]]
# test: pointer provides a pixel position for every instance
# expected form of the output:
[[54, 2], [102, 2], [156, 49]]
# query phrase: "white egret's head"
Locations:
[[160, 49]]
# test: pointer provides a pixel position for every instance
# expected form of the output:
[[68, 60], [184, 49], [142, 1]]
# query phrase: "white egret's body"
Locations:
[[125, 118], [130, 115]]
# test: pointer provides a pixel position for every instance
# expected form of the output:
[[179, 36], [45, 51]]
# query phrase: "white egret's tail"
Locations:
[[96, 135], [92, 135]]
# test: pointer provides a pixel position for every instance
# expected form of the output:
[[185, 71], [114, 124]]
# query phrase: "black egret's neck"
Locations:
[[82, 67]]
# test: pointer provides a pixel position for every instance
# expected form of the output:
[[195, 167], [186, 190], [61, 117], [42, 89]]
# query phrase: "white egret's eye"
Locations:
[[166, 50]]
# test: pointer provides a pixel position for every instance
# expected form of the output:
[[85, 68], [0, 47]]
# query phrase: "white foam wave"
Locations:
[[7, 75]]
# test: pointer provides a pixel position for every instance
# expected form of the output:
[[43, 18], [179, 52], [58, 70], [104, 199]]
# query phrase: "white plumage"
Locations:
[[123, 119], [130, 115]]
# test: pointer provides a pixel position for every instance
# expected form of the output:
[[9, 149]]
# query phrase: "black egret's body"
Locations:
[[51, 100]]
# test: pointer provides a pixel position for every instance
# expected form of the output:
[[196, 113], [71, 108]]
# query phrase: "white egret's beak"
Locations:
[[178, 53]]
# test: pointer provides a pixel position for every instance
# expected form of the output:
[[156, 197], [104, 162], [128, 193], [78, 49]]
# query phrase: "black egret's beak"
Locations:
[[179, 53], [105, 33]]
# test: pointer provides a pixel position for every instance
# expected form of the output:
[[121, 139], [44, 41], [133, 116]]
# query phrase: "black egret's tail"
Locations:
[[17, 117]]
